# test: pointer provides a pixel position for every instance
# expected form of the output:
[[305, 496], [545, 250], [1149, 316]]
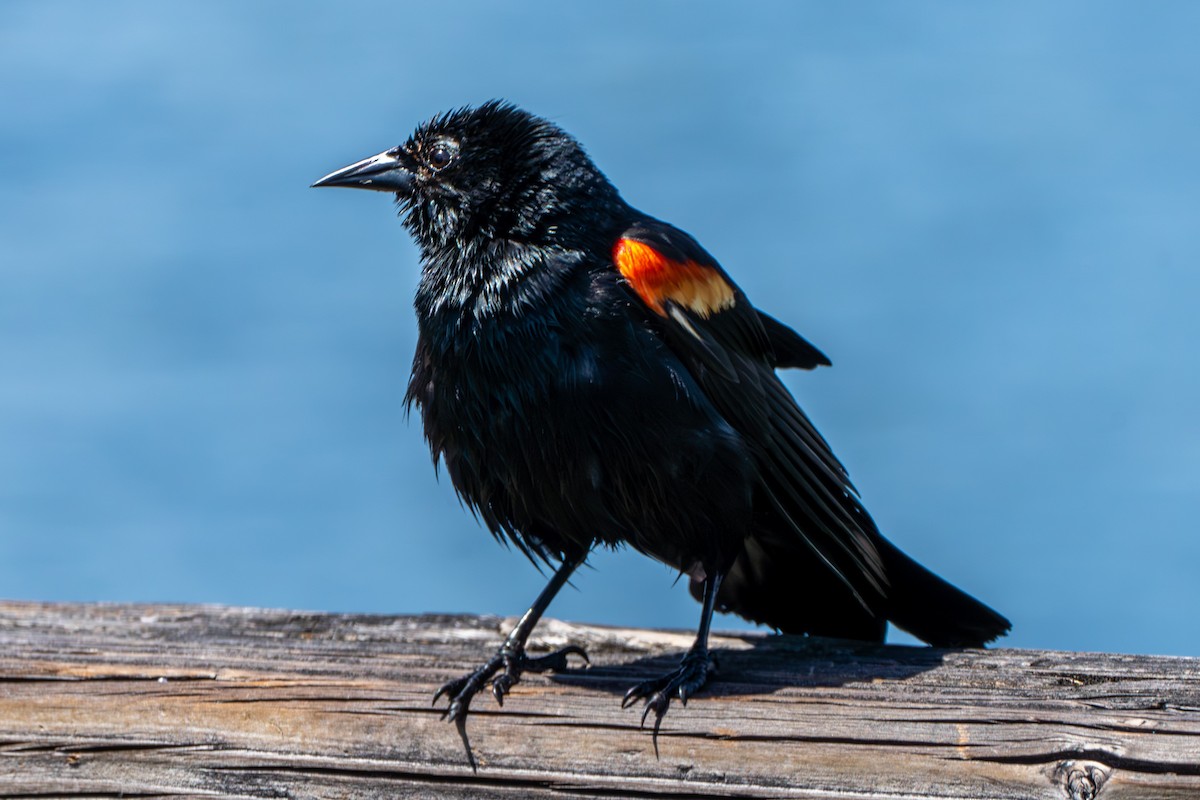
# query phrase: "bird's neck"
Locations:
[[488, 290]]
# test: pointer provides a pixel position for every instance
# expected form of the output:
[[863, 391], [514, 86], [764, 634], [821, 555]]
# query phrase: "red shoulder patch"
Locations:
[[657, 279]]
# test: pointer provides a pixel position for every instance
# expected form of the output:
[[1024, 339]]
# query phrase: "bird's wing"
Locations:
[[732, 349], [668, 269], [791, 350]]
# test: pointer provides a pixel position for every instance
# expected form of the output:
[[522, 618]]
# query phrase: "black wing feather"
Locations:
[[733, 354], [792, 351]]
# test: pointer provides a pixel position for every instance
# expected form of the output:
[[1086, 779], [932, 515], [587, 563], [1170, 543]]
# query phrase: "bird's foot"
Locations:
[[510, 662], [514, 662], [689, 678]]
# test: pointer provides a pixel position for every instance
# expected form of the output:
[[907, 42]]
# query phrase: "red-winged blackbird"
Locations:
[[590, 375]]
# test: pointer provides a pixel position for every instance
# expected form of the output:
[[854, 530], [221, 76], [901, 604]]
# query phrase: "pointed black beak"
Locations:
[[383, 172]]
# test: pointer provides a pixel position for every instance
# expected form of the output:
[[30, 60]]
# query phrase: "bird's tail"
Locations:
[[931, 608], [775, 582]]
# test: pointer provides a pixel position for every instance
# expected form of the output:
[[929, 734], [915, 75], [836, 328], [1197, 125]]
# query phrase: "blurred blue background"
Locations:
[[986, 214]]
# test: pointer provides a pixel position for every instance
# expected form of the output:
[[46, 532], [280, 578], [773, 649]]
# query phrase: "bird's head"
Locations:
[[482, 173]]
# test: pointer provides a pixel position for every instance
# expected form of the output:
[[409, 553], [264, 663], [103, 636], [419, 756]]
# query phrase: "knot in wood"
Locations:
[[1082, 780]]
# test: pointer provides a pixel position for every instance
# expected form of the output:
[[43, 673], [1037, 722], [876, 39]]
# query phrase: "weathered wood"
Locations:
[[99, 701]]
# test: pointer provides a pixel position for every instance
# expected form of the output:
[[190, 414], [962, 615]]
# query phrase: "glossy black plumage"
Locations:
[[590, 375]]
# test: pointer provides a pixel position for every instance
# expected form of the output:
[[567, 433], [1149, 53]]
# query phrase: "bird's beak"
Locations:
[[383, 172]]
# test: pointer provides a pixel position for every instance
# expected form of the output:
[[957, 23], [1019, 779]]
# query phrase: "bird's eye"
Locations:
[[441, 156]]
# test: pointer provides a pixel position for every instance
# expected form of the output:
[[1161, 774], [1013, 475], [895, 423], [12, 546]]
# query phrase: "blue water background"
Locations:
[[988, 214]]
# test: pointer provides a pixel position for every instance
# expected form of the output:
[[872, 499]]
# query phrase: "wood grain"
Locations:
[[191, 701]]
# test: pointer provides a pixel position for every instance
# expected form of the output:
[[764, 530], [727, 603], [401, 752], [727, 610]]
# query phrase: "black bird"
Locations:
[[589, 375]]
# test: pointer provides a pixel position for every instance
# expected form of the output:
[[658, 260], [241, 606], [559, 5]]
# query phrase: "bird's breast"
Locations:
[[585, 432]]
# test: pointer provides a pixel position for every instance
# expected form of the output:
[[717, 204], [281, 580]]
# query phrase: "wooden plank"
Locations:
[[189, 701]]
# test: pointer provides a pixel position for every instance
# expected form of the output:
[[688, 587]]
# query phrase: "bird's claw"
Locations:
[[685, 681], [460, 691], [510, 662]]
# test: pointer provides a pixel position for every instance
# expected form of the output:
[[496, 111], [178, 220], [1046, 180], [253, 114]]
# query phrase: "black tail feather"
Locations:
[[931, 609], [778, 583]]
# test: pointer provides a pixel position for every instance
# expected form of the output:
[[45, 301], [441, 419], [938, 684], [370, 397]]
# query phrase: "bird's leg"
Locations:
[[688, 678], [511, 656]]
